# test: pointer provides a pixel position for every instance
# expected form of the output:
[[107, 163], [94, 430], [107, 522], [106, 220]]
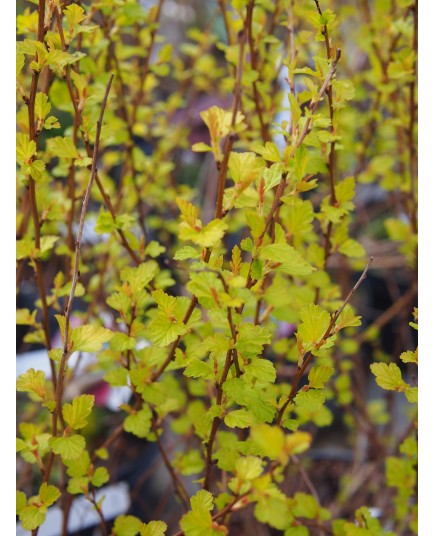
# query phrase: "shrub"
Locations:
[[209, 263]]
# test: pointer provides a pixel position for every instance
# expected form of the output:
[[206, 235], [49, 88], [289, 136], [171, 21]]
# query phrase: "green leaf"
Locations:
[[269, 152], [31, 517], [261, 369], [47, 242], [100, 477], [80, 466], [409, 357], [411, 394], [164, 330], [311, 400], [139, 423], [42, 106], [74, 14], [240, 418], [287, 258], [272, 176], [76, 414], [186, 252], [32, 381], [198, 522], [206, 237], [400, 473], [351, 248], [48, 494], [273, 508], [35, 169], [153, 528], [269, 439], [388, 376], [347, 319], [62, 147], [199, 369], [318, 376], [245, 168], [251, 339], [248, 468], [154, 249], [296, 531], [297, 442], [306, 506], [70, 447], [166, 303], [201, 147], [25, 148], [105, 222], [127, 526], [315, 321], [90, 338], [21, 501]]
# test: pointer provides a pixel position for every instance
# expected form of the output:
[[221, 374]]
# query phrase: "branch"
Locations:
[[331, 158], [216, 421], [305, 131], [223, 166], [33, 135], [308, 357], [179, 488], [67, 350], [256, 97]]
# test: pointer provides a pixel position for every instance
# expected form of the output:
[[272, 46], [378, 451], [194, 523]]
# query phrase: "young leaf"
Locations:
[[48, 494], [32, 381], [75, 414], [318, 376], [269, 439], [315, 322], [153, 528], [287, 258], [90, 338], [70, 447], [126, 526], [31, 517], [139, 423], [388, 376]]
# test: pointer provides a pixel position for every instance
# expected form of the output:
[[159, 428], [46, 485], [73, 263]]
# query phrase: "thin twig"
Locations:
[[67, 349], [331, 157], [216, 421], [308, 357], [178, 485], [223, 166], [33, 135], [305, 131]]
